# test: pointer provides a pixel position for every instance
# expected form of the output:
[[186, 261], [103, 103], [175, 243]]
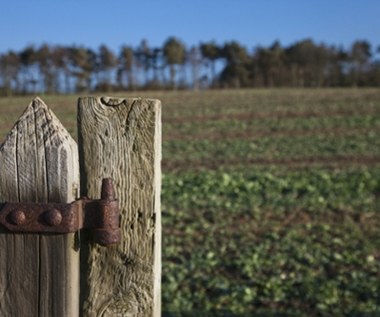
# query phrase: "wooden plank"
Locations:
[[39, 274], [121, 138]]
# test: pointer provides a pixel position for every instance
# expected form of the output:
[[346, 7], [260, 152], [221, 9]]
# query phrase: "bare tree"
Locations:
[[9, 70], [360, 55], [211, 52], [126, 64], [28, 60], [195, 59], [107, 64], [175, 54]]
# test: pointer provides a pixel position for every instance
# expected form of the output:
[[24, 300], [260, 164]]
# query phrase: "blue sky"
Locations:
[[250, 22]]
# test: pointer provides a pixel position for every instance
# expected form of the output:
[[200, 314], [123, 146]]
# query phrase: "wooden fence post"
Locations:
[[38, 272], [121, 138]]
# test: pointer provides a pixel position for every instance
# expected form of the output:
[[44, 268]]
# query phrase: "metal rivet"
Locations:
[[53, 217], [17, 217]]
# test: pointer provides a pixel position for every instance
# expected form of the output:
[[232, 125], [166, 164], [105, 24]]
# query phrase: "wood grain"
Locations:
[[39, 274], [121, 138]]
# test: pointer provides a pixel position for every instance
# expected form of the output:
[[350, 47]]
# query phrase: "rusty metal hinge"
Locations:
[[101, 216]]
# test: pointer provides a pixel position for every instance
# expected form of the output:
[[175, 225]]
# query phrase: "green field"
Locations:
[[271, 200]]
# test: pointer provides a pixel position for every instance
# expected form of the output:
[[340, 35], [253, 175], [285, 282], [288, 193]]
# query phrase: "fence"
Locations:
[[55, 274]]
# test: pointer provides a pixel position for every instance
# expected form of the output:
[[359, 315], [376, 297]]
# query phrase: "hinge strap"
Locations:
[[100, 216]]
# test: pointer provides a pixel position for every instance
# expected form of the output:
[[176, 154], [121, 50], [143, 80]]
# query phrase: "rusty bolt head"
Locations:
[[17, 217], [53, 217]]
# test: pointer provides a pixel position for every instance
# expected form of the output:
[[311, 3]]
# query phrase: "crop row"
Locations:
[[268, 148], [305, 163], [317, 190], [267, 126], [219, 103], [272, 241]]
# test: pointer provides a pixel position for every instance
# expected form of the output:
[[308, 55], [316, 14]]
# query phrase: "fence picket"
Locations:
[[39, 273]]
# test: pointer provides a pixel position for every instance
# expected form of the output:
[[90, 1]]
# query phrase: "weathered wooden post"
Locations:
[[121, 138], [38, 272]]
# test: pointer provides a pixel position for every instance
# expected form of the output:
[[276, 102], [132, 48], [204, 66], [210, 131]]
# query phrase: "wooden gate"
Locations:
[[44, 274]]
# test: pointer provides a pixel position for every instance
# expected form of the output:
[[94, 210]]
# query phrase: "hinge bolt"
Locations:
[[107, 191], [53, 217], [17, 217]]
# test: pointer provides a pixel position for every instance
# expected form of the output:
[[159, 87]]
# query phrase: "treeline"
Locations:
[[66, 69]]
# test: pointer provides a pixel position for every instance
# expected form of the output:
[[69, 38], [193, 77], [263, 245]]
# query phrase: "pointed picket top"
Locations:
[[39, 163], [38, 135]]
